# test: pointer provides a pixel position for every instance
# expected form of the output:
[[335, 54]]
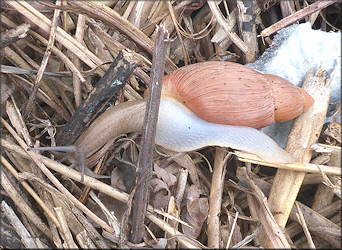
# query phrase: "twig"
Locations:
[[26, 84], [25, 236], [305, 228], [94, 235], [65, 230], [30, 190], [215, 198], [113, 19], [305, 131], [247, 27], [315, 220], [15, 34], [246, 240], [144, 170], [54, 180], [297, 166], [16, 70], [84, 241], [102, 187], [181, 4], [25, 9], [116, 46], [63, 58], [45, 60], [77, 62], [113, 221], [272, 229], [232, 231], [316, 6], [23, 206], [224, 24], [172, 231], [107, 88], [173, 17]]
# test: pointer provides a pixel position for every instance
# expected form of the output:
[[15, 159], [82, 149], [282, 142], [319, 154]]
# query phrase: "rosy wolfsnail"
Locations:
[[208, 104]]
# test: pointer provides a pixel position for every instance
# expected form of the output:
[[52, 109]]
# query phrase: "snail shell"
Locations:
[[230, 93]]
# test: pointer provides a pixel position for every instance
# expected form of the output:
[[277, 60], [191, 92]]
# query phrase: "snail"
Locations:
[[211, 103]]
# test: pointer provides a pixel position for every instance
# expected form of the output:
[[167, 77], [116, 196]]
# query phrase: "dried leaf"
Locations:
[[113, 205], [117, 181], [226, 230], [161, 244], [168, 178], [197, 212], [160, 194], [124, 173]]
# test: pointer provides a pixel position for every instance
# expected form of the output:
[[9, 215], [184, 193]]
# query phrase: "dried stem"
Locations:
[[224, 24], [172, 13], [144, 170], [107, 88], [77, 62], [113, 19], [305, 228], [271, 228], [65, 231], [15, 34], [98, 185], [247, 27], [215, 199], [316, 220], [54, 180], [31, 191], [22, 205], [305, 131], [316, 6], [25, 236], [297, 166], [45, 60]]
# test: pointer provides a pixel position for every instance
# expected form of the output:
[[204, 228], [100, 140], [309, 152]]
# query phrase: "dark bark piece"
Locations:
[[247, 27], [105, 91]]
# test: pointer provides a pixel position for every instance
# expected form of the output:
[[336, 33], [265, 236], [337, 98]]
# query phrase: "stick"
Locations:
[[15, 34], [144, 170], [296, 17], [45, 60], [215, 198], [305, 131], [54, 180], [102, 187], [107, 88], [247, 27]]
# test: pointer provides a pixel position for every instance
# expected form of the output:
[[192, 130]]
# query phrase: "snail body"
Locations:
[[208, 104], [178, 129], [194, 133]]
